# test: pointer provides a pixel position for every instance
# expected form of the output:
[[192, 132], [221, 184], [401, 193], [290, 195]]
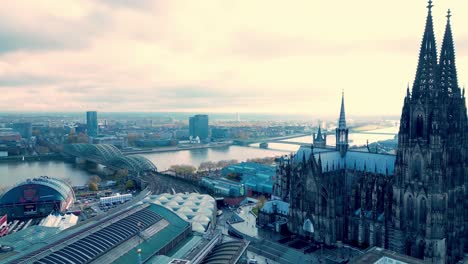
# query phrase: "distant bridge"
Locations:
[[109, 156], [289, 142], [246, 142], [373, 133]]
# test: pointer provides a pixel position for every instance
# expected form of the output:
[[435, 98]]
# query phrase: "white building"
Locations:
[[118, 198]]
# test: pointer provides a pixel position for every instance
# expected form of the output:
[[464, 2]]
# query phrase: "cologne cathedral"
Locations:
[[414, 202]]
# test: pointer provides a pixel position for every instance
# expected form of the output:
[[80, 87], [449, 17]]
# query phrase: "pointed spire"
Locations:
[[342, 121], [408, 95], [319, 132], [427, 65], [447, 68]]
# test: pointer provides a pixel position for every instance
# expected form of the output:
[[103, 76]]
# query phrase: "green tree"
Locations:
[[130, 185], [120, 175]]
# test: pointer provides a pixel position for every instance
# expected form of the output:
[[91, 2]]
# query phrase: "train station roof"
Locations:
[[111, 239]]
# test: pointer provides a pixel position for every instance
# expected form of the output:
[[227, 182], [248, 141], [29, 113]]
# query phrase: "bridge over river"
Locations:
[[109, 156]]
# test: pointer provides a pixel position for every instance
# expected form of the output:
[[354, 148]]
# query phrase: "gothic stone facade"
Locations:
[[416, 202]]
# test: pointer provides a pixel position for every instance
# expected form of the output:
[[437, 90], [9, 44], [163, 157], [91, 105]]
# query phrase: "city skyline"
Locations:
[[216, 56]]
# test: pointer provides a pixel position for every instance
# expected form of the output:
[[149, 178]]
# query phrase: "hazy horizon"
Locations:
[[217, 56]]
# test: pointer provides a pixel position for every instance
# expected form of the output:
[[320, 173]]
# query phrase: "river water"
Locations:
[[15, 172], [12, 173]]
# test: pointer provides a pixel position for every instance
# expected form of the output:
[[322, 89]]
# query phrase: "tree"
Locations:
[[130, 185], [265, 161], [120, 175], [261, 202], [82, 138], [206, 165], [225, 163], [183, 169], [93, 186], [95, 179]]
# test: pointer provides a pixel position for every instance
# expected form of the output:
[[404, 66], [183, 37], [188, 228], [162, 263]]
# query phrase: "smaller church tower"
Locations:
[[342, 131], [320, 140]]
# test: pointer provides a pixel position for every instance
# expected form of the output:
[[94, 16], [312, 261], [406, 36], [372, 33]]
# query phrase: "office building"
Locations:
[[198, 126], [91, 123]]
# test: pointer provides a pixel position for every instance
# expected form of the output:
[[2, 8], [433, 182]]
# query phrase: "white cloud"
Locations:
[[230, 56]]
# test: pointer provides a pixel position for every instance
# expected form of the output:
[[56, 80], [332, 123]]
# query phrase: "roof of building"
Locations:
[[198, 209], [361, 161], [227, 252], [255, 176], [61, 222], [26, 238], [103, 239], [165, 236], [380, 255], [61, 189]]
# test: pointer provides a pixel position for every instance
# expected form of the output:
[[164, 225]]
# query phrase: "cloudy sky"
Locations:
[[217, 56]]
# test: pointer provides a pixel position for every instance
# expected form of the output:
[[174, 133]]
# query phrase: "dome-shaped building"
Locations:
[[36, 197]]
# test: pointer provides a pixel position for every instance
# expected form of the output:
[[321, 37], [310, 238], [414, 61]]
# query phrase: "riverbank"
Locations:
[[177, 148], [48, 157]]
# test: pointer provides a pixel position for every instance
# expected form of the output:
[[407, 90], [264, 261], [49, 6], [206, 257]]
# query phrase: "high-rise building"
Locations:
[[25, 129], [198, 126], [91, 123]]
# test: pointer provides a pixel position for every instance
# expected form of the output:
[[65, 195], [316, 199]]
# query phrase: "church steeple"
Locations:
[[447, 69], [425, 81], [342, 120], [342, 131], [320, 140]]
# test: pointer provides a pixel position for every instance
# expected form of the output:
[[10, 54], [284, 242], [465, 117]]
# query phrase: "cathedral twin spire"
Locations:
[[447, 70], [434, 78]]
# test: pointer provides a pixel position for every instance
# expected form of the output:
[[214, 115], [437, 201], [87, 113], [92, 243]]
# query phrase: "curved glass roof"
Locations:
[[55, 189], [226, 252], [91, 246]]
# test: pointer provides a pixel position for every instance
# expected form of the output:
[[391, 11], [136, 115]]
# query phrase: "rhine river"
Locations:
[[15, 172]]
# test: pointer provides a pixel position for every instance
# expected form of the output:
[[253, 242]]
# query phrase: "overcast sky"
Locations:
[[217, 56]]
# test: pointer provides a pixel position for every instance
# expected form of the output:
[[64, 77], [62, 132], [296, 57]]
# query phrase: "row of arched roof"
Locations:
[[109, 155], [103, 151]]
